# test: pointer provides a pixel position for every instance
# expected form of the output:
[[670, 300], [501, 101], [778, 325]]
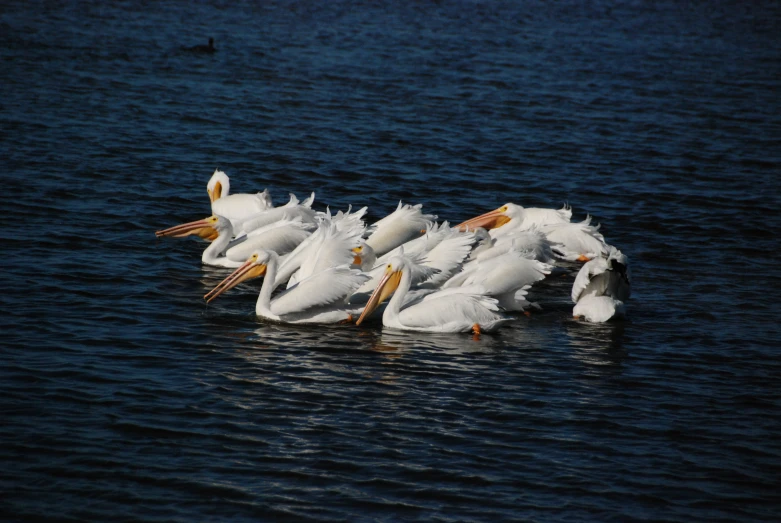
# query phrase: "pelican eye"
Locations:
[[503, 209]]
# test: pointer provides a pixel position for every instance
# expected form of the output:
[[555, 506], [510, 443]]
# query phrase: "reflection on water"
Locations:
[[453, 344], [597, 343]]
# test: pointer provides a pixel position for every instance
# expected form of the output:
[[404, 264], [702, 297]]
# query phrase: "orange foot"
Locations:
[[348, 320], [527, 313], [577, 317], [583, 258], [476, 329]]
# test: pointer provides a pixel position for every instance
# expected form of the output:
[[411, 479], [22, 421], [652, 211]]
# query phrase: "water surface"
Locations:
[[125, 397]]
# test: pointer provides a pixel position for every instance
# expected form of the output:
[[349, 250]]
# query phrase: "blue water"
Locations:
[[123, 397]]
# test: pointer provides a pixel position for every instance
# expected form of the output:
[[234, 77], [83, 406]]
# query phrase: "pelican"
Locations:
[[364, 257], [532, 242], [598, 309], [402, 225], [511, 217], [291, 210], [441, 248], [461, 309], [235, 207], [602, 286], [576, 241], [282, 236], [320, 298], [331, 245], [506, 277]]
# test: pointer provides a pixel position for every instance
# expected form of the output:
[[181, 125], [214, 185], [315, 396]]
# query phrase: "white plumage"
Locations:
[[234, 207], [281, 236], [461, 309], [602, 286], [319, 298], [399, 227]]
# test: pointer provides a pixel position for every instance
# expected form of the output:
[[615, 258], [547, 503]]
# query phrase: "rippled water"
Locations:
[[124, 397]]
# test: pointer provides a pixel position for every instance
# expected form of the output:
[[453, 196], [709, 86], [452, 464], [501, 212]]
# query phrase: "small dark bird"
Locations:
[[203, 48]]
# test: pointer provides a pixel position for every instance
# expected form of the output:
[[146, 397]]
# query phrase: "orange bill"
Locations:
[[489, 220], [387, 286]]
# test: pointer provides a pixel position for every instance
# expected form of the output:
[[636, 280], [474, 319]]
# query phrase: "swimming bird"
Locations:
[[575, 241], [201, 48], [319, 298], [331, 245], [399, 227], [532, 242], [291, 210], [602, 286], [281, 236], [461, 309], [506, 277], [441, 248], [235, 207], [511, 217]]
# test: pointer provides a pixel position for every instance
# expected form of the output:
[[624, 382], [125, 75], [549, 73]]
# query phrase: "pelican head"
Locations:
[[493, 219], [208, 228], [387, 286], [218, 186], [254, 267], [364, 257]]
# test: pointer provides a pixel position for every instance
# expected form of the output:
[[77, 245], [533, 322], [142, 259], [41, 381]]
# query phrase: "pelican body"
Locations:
[[282, 236], [511, 217], [234, 207], [462, 309], [320, 298], [601, 287]]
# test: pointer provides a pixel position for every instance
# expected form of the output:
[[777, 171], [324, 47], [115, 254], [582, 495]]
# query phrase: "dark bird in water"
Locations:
[[203, 48]]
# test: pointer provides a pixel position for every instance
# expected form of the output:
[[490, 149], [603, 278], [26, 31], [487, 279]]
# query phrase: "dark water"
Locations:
[[123, 397]]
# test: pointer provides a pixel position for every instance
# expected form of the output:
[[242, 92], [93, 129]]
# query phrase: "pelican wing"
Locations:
[[332, 249], [237, 207], [399, 227], [448, 256], [328, 287], [506, 273], [452, 310], [289, 212], [583, 281], [538, 217], [280, 237], [351, 220], [576, 239]]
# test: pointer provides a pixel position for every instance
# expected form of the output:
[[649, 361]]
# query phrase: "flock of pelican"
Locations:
[[439, 278]]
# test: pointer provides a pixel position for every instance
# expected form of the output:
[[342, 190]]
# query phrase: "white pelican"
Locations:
[[506, 277], [235, 207], [511, 217], [399, 227], [576, 241], [291, 210], [461, 309], [364, 257], [320, 298], [532, 242], [598, 309], [331, 245], [441, 248], [281, 236], [602, 286]]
